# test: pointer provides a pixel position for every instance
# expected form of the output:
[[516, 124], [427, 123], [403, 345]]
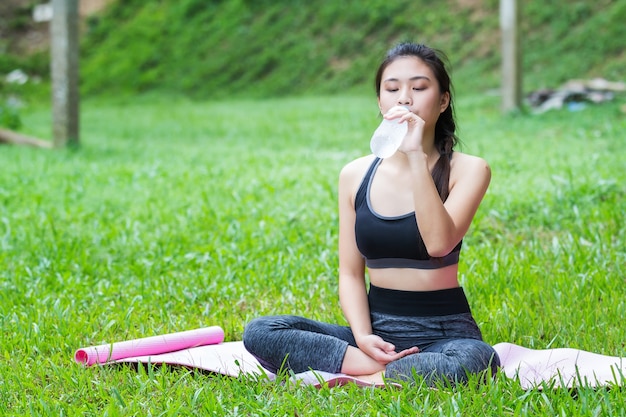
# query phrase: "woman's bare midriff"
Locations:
[[407, 279]]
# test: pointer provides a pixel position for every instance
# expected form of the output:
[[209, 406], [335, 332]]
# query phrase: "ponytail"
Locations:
[[445, 141]]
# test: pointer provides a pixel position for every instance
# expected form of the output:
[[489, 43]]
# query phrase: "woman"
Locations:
[[403, 218]]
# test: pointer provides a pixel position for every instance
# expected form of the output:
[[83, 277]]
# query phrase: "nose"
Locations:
[[405, 97]]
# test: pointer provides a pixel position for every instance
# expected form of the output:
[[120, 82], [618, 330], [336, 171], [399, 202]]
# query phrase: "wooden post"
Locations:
[[511, 56], [64, 71]]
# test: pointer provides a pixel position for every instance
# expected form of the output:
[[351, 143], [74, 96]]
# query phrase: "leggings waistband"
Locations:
[[418, 303]]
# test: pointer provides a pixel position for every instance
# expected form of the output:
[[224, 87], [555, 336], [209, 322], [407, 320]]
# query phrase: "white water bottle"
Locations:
[[388, 137]]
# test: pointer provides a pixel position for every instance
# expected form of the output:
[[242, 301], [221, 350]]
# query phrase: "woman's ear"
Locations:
[[445, 102]]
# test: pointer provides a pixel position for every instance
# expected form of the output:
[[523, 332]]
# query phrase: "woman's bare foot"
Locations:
[[375, 378]]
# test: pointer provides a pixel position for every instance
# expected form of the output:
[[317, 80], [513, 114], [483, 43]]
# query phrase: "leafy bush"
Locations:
[[9, 117]]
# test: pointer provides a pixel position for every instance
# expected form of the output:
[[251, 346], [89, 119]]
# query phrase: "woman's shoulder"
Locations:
[[468, 166], [463, 161], [352, 174], [356, 168]]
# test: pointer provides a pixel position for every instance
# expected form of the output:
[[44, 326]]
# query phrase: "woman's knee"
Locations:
[[260, 330], [476, 356], [255, 332], [458, 359]]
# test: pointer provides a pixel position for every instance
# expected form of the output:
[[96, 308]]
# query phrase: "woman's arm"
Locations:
[[373, 352], [443, 225], [352, 290]]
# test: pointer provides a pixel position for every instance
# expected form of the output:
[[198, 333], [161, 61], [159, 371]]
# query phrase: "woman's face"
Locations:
[[408, 81]]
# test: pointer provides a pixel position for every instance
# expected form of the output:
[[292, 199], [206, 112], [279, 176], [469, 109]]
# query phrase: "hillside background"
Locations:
[[266, 48]]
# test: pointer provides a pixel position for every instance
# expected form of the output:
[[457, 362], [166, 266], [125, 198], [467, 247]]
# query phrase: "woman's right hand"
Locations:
[[381, 351]]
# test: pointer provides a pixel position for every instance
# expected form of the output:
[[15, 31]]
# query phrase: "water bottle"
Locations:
[[387, 138]]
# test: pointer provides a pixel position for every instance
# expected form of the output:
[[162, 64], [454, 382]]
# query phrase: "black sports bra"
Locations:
[[392, 242]]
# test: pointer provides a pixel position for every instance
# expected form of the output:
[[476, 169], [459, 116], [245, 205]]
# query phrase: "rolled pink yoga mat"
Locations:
[[153, 345]]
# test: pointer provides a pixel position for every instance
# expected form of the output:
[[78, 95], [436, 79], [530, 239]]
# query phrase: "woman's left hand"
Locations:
[[381, 351], [415, 128]]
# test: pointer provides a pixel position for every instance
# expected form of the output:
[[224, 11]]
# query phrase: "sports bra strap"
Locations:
[[362, 192]]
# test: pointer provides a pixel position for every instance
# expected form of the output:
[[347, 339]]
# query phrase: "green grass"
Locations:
[[176, 214]]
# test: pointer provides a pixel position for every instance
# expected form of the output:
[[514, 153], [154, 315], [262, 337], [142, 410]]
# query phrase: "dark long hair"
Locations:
[[445, 136]]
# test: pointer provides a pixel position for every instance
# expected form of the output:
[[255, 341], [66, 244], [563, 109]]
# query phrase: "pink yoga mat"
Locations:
[[560, 367], [203, 349], [149, 345], [531, 367]]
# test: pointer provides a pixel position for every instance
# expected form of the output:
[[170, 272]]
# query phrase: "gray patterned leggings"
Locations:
[[451, 346], [439, 323]]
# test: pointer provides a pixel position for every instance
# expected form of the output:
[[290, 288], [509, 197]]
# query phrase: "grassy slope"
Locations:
[[216, 49]]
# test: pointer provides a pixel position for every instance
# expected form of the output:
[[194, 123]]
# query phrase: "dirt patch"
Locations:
[[89, 7]]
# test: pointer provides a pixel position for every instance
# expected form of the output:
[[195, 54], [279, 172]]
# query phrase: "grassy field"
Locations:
[[175, 215]]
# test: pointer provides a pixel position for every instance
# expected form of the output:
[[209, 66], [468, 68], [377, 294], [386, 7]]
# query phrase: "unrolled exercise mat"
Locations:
[[153, 345], [204, 349]]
